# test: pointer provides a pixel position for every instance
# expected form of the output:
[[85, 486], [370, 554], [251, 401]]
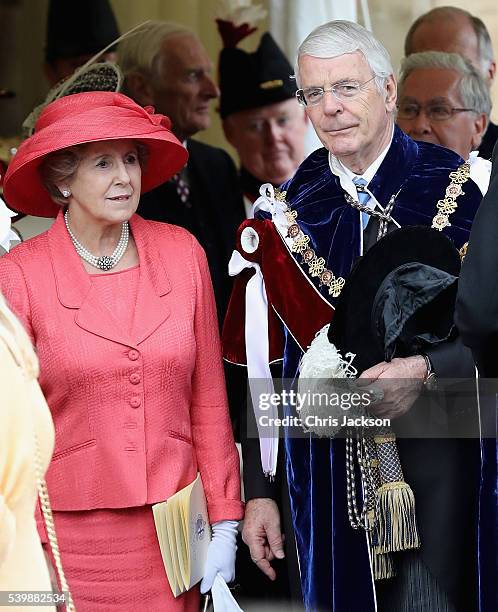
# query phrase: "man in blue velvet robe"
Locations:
[[349, 92]]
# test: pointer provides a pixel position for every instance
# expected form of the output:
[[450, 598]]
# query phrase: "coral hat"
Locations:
[[84, 118]]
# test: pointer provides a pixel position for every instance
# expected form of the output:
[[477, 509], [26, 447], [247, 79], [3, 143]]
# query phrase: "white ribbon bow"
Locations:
[[258, 357], [276, 208]]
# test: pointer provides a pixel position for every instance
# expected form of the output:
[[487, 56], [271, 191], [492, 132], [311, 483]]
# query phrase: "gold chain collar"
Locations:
[[447, 205], [300, 245], [316, 265]]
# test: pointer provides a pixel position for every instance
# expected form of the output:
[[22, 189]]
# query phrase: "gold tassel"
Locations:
[[396, 525], [382, 564]]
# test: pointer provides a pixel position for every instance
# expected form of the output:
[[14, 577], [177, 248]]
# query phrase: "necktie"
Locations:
[[182, 189], [363, 198]]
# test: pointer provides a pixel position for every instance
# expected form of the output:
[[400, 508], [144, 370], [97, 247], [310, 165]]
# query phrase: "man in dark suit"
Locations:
[[166, 66], [454, 30]]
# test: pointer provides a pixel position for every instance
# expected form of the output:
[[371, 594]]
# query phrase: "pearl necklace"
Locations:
[[105, 262]]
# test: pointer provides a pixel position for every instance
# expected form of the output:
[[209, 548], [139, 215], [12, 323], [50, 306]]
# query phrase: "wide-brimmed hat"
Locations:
[[84, 118], [399, 298]]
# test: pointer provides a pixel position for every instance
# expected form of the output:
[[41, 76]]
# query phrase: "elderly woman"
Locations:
[[122, 315]]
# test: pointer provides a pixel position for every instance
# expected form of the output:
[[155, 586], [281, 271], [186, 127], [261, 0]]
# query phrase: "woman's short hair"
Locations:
[[340, 37], [60, 167], [472, 87]]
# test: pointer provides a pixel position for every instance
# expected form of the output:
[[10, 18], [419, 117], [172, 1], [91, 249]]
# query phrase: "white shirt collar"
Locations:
[[480, 171], [346, 175]]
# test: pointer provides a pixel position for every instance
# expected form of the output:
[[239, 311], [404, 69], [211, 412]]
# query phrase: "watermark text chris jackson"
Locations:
[[313, 420]]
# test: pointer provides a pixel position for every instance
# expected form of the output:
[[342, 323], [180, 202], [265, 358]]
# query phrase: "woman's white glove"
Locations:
[[221, 554]]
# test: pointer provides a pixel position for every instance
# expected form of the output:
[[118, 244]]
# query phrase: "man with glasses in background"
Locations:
[[444, 100], [454, 30], [368, 178]]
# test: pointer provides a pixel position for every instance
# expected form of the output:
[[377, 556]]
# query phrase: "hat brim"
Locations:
[[353, 329], [23, 187]]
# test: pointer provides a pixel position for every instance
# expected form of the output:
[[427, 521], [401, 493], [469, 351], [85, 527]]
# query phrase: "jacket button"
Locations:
[[135, 401], [133, 355], [134, 378]]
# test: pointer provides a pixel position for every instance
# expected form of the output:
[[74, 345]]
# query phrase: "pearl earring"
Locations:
[[66, 192]]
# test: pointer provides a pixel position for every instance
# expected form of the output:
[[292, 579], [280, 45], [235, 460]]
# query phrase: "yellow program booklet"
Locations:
[[184, 533]]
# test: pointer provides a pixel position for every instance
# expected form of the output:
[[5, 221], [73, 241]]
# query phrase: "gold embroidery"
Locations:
[[271, 84], [280, 197], [316, 266], [463, 251], [447, 205], [291, 216], [300, 244], [336, 286]]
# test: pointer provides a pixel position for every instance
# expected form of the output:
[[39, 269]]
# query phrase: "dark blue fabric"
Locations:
[[488, 510], [335, 568]]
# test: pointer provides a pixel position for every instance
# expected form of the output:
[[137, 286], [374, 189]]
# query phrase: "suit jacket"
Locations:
[[477, 300], [489, 141], [477, 320], [213, 213], [136, 414]]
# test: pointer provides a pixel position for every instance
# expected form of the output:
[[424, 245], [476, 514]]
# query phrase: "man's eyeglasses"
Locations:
[[434, 112], [345, 90]]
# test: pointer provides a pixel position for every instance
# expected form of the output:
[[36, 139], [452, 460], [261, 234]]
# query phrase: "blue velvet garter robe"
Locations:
[[334, 559]]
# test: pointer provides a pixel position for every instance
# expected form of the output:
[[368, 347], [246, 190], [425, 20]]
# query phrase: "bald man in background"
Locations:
[[455, 30]]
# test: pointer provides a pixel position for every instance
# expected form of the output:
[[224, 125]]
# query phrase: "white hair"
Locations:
[[139, 52], [337, 38], [472, 87]]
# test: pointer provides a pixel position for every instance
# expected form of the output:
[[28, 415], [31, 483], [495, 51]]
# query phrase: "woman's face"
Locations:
[[106, 185]]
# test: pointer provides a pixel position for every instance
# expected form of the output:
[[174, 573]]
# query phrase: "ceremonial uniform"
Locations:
[[305, 257]]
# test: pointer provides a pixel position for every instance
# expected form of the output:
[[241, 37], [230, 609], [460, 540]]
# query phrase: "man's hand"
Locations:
[[261, 532], [400, 381]]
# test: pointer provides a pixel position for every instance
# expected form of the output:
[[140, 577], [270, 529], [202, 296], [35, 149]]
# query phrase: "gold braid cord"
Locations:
[[448, 205], [300, 245], [49, 523]]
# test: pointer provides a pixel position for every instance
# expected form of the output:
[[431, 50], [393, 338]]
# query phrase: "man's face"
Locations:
[[184, 87], [355, 130], [432, 88], [269, 140], [455, 35]]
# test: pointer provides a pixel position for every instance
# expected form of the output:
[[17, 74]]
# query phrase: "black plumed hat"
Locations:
[[79, 28], [252, 80], [399, 297]]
